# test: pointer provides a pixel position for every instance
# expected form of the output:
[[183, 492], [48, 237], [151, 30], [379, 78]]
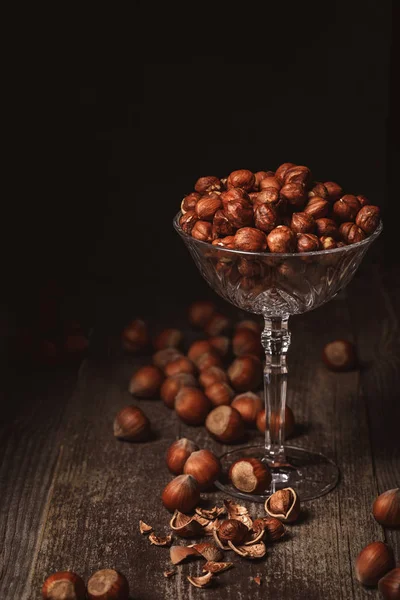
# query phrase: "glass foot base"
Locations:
[[310, 474]]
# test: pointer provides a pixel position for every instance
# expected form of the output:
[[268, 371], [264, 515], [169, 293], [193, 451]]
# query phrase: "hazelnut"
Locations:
[[245, 373], [207, 206], [220, 343], [219, 393], [340, 355], [363, 200], [259, 176], [202, 230], [249, 405], [188, 221], [275, 421], [225, 424], [208, 184], [346, 208], [281, 171], [178, 453], [135, 336], [162, 357], [64, 585], [302, 223], [108, 584], [298, 174], [189, 202], [241, 179], [204, 466], [239, 213], [294, 194], [250, 475], [180, 365], [340, 244], [212, 375], [368, 218], [386, 508], [200, 311], [221, 225], [268, 195], [317, 207], [198, 348], [326, 227], [168, 338], [270, 182], [146, 381], [225, 242], [283, 505], [327, 243], [131, 425], [373, 562], [334, 191], [265, 217], [246, 341], [182, 493], [389, 585], [351, 233], [192, 406], [307, 242], [232, 195], [281, 239], [274, 528], [249, 239], [173, 384], [320, 190], [232, 530], [217, 324], [209, 359]]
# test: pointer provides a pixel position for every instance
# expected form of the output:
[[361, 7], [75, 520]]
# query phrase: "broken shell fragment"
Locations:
[[160, 541], [179, 553], [257, 580], [283, 505], [238, 512], [273, 528], [185, 526], [218, 541], [144, 528], [217, 567], [209, 551], [202, 581], [168, 574], [212, 513], [254, 551], [253, 538]]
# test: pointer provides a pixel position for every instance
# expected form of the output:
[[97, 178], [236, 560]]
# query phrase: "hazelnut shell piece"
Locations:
[[284, 505]]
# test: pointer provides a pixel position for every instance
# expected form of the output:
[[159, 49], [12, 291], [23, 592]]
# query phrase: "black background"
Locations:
[[122, 124]]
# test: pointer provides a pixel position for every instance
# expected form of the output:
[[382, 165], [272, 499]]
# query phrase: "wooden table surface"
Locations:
[[72, 496]]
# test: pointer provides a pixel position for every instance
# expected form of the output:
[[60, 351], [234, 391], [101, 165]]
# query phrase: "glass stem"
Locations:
[[276, 340]]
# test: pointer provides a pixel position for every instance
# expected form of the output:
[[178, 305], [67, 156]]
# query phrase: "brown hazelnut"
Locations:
[[180, 365], [294, 194], [209, 359], [334, 191], [212, 375], [208, 184], [232, 530], [221, 226], [275, 421], [363, 200], [307, 242], [245, 373], [283, 505], [107, 584], [249, 405], [178, 453], [242, 178], [188, 221], [192, 406], [298, 174], [225, 424], [217, 324], [281, 239], [225, 242], [326, 227], [182, 493], [250, 239], [219, 393], [64, 584], [259, 176], [373, 562], [327, 242], [202, 230], [189, 202], [274, 528], [302, 223], [146, 381], [246, 341], [281, 171], [265, 216], [200, 311], [267, 196], [173, 384], [239, 213], [168, 338], [250, 475], [270, 182], [340, 244], [207, 206], [339, 355], [198, 348], [389, 585], [351, 233], [135, 336], [162, 357], [204, 466], [386, 508], [232, 195], [368, 218], [346, 208], [220, 343], [131, 425], [320, 190], [317, 207]]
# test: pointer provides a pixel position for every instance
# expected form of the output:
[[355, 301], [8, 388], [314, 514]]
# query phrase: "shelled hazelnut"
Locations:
[[189, 202], [351, 233], [368, 218], [346, 208], [326, 227], [281, 239], [307, 242], [207, 184], [302, 223], [207, 206]]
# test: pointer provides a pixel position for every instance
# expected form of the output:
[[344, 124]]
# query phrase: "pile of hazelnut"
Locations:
[[277, 211]]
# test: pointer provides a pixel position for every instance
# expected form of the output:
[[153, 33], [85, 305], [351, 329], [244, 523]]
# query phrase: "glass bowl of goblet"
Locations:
[[276, 286]]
